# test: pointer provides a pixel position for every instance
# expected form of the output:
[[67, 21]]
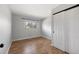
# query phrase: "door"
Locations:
[[59, 31], [72, 16]]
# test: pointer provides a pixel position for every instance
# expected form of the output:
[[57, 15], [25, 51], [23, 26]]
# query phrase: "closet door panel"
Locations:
[[72, 17], [66, 31], [58, 31]]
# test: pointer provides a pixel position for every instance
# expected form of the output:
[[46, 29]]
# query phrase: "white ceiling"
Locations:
[[37, 10]]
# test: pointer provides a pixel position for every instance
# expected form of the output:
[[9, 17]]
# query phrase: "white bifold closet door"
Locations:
[[72, 18], [66, 28], [59, 31]]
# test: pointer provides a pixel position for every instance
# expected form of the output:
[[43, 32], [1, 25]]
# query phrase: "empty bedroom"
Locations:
[[39, 28]]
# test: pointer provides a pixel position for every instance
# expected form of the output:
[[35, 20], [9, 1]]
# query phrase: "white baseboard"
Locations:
[[26, 38], [47, 37]]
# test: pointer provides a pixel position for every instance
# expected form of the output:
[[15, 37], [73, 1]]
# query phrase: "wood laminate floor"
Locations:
[[38, 45]]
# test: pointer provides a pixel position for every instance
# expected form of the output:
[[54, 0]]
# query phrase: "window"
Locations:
[[30, 25]]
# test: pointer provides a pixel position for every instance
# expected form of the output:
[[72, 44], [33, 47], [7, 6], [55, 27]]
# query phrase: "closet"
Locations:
[[58, 29], [66, 30]]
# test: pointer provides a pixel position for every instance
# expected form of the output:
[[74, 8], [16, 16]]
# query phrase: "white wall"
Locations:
[[47, 28], [5, 28], [18, 29]]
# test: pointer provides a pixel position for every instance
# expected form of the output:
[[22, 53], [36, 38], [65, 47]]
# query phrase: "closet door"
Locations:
[[59, 41], [72, 17]]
